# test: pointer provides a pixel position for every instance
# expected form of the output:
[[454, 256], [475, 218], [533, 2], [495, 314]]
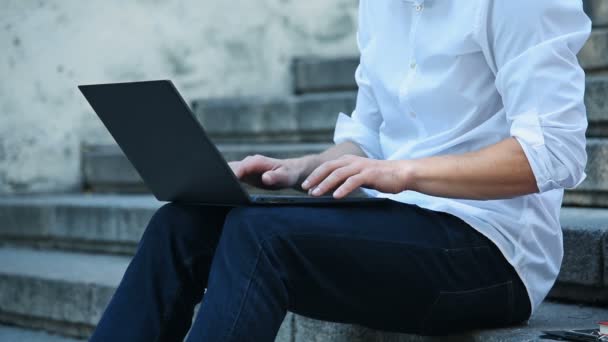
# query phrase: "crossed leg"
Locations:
[[388, 266]]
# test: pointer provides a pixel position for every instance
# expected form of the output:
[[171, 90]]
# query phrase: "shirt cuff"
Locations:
[[526, 129], [348, 129]]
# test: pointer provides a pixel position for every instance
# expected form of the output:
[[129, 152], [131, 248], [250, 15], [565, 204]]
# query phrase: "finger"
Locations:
[[350, 185], [234, 166], [278, 177], [335, 179], [256, 165], [321, 172]]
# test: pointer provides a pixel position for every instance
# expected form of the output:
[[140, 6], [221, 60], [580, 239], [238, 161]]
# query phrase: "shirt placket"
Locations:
[[412, 64]]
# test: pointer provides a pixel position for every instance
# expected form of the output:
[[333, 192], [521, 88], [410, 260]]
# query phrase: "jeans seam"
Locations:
[[478, 289], [429, 312], [167, 313], [509, 284], [248, 287], [311, 235], [511, 303], [188, 263]]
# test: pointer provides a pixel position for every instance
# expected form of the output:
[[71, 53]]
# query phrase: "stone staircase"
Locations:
[[63, 254]]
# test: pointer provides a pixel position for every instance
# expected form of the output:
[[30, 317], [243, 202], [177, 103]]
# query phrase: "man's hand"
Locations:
[[349, 172], [269, 173]]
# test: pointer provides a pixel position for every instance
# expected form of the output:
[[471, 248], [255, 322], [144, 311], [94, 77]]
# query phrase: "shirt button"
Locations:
[[413, 114], [412, 64], [418, 8]]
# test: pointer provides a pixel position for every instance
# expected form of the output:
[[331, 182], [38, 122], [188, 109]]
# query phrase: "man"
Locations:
[[469, 117]]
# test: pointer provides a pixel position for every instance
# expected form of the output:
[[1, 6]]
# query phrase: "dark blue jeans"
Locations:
[[388, 266]]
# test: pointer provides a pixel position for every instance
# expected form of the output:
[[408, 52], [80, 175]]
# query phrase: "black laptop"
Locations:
[[167, 145]]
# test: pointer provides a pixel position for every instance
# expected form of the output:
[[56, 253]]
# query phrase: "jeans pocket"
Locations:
[[464, 310]]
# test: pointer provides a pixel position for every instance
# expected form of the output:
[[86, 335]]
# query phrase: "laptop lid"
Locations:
[[166, 144]]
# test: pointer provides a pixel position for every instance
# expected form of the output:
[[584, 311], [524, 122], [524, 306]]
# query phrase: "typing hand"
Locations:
[[268, 173], [349, 172]]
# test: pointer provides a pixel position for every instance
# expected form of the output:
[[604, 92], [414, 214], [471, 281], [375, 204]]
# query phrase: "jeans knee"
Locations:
[[248, 225], [169, 223], [256, 237]]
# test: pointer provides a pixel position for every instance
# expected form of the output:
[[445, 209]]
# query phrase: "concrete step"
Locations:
[[60, 292], [597, 11], [10, 333], [88, 222], [306, 118], [594, 55], [106, 169], [115, 223], [312, 74], [596, 101], [66, 293], [584, 271], [594, 190], [550, 316]]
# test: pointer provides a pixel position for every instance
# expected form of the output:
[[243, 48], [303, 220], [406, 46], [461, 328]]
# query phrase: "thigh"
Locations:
[[190, 227], [183, 234], [389, 266]]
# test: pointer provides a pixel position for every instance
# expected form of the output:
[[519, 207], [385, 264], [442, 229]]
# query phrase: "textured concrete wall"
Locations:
[[208, 47]]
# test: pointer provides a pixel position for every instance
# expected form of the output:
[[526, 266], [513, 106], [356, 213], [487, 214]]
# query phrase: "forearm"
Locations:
[[498, 171]]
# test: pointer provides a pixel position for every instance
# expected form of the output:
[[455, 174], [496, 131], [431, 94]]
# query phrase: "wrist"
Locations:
[[409, 174]]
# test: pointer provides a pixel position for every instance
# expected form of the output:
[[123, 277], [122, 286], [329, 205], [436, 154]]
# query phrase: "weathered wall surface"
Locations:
[[208, 47]]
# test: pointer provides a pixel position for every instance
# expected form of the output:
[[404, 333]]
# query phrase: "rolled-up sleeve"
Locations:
[[532, 48], [362, 127]]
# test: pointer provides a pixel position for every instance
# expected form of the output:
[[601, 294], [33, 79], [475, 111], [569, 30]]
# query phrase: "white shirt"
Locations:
[[443, 77]]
